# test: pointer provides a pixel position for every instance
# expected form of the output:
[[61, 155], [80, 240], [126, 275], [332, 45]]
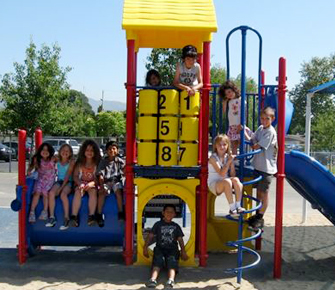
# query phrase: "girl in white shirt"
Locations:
[[221, 174]]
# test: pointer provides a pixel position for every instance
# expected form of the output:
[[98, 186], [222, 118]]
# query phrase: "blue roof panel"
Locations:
[[326, 88]]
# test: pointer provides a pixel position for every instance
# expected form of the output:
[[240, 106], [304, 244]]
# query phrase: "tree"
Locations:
[[38, 95], [324, 132], [110, 124], [30, 94], [164, 60], [313, 73]]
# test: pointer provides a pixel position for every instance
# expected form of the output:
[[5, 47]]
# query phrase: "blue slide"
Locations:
[[313, 181]]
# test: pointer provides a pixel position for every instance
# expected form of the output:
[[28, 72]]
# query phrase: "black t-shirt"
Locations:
[[167, 234]]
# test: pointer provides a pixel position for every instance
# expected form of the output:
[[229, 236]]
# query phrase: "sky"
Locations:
[[93, 43]]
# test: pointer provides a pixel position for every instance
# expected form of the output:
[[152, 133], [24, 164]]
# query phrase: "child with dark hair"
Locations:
[[168, 234], [44, 163], [110, 175], [153, 78], [231, 96], [188, 75], [85, 181]]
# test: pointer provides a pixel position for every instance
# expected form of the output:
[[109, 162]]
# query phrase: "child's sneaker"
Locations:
[[51, 223], [240, 210], [233, 213], [120, 215], [256, 224], [91, 221], [152, 283], [65, 225], [169, 283], [100, 220], [74, 221], [43, 216], [32, 217]]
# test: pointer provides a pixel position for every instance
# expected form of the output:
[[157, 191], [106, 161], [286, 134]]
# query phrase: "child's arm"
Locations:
[[224, 106], [232, 170], [176, 82], [182, 249], [32, 166], [67, 176], [222, 171], [76, 176], [147, 243], [200, 82]]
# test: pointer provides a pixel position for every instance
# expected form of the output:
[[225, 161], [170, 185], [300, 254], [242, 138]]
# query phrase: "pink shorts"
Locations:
[[233, 133]]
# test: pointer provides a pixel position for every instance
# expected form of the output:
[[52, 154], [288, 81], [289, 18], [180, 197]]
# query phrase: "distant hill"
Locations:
[[108, 105]]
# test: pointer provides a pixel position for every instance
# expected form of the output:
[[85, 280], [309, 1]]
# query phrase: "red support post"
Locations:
[[263, 89], [22, 247], [130, 143], [204, 157], [201, 63], [281, 169], [38, 138]]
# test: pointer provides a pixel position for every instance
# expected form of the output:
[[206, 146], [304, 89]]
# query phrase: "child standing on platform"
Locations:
[[221, 174], [85, 181], [44, 163], [63, 185], [188, 75], [232, 98], [153, 79], [110, 175], [265, 163], [168, 234]]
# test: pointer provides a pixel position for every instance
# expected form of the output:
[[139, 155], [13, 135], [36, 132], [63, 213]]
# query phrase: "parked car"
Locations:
[[15, 145], [57, 143], [6, 153]]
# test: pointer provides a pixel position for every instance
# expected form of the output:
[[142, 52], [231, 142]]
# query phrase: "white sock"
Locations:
[[232, 206], [238, 204]]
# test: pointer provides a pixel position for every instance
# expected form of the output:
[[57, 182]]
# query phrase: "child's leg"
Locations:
[[101, 200], [76, 203], [34, 202], [154, 273], [118, 194], [171, 274], [92, 201], [234, 146], [45, 202], [226, 187], [237, 185], [64, 197], [52, 197], [263, 196]]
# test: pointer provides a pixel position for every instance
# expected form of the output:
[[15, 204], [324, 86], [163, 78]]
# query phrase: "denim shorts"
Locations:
[[264, 184], [168, 258]]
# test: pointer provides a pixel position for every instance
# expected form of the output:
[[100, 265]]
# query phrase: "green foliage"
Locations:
[[324, 133], [313, 73], [164, 60], [37, 95], [110, 123]]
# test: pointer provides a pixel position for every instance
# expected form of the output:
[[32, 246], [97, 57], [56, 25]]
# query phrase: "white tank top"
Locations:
[[188, 76], [213, 176]]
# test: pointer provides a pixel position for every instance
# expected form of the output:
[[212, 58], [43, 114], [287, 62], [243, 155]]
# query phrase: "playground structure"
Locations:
[[171, 161]]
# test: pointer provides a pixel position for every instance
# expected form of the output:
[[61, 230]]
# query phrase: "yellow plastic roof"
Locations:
[[169, 23]]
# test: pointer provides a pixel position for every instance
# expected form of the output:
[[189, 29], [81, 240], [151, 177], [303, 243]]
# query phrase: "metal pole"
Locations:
[[38, 138], [307, 145], [281, 169]]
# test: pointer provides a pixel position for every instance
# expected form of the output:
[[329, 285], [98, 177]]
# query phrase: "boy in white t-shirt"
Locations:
[[265, 163]]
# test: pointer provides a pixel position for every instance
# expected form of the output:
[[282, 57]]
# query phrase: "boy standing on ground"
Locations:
[[110, 175], [166, 252], [265, 163]]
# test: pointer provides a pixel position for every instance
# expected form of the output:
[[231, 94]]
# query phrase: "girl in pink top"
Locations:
[[44, 163]]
